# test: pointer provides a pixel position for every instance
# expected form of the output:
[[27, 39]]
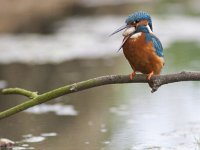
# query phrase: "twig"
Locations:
[[20, 91], [154, 83]]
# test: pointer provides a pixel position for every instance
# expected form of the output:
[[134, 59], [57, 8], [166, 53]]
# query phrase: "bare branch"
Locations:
[[20, 91], [154, 83], [158, 81]]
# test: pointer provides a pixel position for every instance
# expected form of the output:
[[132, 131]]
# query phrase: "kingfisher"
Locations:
[[141, 47]]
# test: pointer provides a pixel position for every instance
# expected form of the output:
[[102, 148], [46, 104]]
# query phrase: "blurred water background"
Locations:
[[48, 44]]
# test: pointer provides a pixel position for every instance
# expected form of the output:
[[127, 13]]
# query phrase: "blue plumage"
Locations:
[[150, 37], [157, 45], [142, 28], [138, 16]]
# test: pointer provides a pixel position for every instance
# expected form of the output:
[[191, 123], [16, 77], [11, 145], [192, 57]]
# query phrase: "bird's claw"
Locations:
[[150, 75], [132, 75]]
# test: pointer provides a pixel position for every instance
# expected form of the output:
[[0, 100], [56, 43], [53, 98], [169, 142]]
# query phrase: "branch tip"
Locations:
[[19, 91]]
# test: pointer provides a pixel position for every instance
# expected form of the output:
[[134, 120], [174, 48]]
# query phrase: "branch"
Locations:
[[34, 99], [20, 91]]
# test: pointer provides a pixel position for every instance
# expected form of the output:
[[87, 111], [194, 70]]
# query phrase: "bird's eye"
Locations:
[[136, 21]]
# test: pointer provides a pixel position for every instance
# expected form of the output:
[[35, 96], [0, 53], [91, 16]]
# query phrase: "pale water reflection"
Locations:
[[169, 119], [58, 109], [88, 37]]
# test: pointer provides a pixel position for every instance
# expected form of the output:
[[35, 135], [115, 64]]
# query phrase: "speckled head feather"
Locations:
[[140, 15]]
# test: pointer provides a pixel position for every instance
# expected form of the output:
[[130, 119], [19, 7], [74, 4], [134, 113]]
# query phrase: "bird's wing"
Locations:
[[157, 45]]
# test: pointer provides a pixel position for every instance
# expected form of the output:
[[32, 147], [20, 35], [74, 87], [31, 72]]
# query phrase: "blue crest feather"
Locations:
[[140, 15]]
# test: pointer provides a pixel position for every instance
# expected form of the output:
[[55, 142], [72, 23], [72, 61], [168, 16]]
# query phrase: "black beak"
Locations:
[[120, 29]]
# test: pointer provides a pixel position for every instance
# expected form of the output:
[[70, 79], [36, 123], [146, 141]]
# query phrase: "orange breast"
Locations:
[[141, 55]]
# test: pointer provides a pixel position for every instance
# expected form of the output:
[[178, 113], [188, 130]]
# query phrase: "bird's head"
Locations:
[[134, 20], [139, 18]]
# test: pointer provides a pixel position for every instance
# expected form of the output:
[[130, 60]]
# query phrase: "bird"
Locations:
[[141, 47]]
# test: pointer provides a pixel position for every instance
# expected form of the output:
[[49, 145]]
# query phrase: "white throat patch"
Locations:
[[136, 35], [128, 31]]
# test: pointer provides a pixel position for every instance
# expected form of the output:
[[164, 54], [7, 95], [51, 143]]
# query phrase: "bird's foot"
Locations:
[[150, 75], [132, 75]]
